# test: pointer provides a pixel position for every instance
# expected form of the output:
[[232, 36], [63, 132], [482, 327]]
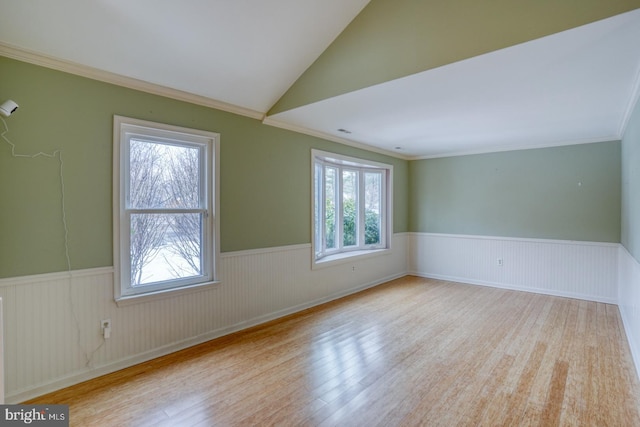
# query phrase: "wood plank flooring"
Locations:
[[410, 352]]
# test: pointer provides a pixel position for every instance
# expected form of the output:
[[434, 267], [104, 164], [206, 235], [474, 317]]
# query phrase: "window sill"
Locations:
[[347, 257], [165, 293]]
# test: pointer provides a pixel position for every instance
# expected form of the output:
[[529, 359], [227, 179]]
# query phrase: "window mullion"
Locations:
[[167, 211], [384, 209], [360, 203], [339, 213], [323, 210]]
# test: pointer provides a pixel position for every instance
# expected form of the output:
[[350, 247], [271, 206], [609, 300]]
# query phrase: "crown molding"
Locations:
[[502, 149], [329, 137], [40, 59]]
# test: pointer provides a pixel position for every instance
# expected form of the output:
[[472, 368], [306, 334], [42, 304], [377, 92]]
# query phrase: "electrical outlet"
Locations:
[[106, 328], [499, 262]]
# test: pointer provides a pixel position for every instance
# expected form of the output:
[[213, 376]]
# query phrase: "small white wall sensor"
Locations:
[[8, 108]]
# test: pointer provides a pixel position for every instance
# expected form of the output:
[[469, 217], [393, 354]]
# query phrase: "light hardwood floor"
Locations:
[[410, 352]]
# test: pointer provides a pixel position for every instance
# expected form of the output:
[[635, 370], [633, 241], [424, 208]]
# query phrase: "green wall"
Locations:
[[265, 179], [265, 171], [391, 39], [630, 235], [528, 193]]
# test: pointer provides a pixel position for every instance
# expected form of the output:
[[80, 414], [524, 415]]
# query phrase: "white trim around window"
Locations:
[[351, 208], [165, 209]]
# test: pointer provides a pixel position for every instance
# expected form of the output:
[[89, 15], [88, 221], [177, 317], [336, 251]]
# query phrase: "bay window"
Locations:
[[351, 206]]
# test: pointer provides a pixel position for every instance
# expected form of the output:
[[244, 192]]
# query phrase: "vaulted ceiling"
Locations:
[[410, 78]]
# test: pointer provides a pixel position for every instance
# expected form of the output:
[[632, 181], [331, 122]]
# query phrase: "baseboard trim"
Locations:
[[633, 346], [570, 269], [468, 281]]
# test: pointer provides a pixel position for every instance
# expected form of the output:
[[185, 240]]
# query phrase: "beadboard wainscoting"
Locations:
[[53, 321], [52, 334], [584, 270], [629, 301]]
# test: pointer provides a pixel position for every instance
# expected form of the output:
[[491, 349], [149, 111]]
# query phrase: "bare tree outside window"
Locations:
[[165, 211], [164, 245], [145, 191], [184, 170]]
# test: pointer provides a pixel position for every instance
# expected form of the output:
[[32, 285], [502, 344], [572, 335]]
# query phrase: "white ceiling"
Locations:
[[576, 86], [242, 52], [573, 87]]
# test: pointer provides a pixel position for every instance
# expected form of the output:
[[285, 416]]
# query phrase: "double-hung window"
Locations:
[[165, 222], [351, 206]]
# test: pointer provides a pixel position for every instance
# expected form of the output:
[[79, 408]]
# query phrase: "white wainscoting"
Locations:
[[629, 301], [52, 321], [52, 330], [584, 270]]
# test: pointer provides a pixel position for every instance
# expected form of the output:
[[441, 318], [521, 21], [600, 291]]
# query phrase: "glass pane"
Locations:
[[317, 226], [163, 176], [349, 208], [165, 247], [373, 207], [330, 193]]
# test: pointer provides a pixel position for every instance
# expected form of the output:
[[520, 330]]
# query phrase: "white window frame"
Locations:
[[125, 129], [324, 256]]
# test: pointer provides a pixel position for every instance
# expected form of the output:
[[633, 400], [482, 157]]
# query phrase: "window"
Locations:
[[351, 206], [165, 221]]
